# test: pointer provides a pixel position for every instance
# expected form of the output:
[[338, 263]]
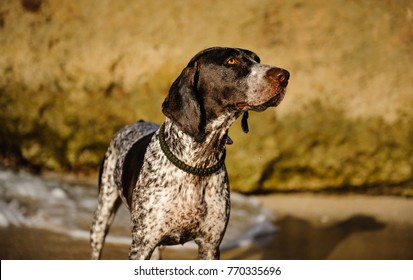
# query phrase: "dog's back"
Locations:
[[130, 145]]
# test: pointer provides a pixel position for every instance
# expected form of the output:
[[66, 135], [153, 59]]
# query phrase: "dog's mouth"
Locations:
[[272, 102]]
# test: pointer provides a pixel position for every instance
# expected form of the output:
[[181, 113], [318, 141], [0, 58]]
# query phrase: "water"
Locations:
[[67, 207]]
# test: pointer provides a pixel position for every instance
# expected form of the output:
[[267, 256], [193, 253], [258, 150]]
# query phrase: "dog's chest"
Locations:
[[181, 197], [179, 205]]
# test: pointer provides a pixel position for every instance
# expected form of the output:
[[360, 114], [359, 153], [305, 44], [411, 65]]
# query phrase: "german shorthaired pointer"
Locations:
[[172, 177]]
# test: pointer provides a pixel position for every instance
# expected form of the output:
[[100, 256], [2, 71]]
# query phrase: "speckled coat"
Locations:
[[169, 206]]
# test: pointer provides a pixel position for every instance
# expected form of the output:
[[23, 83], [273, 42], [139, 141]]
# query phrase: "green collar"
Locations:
[[182, 165]]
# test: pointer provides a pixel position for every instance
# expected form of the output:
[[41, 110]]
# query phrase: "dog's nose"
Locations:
[[279, 75], [283, 75]]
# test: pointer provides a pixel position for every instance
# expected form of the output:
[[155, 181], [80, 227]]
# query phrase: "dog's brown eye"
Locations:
[[231, 61]]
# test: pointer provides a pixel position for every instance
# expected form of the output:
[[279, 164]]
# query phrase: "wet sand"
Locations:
[[309, 227]]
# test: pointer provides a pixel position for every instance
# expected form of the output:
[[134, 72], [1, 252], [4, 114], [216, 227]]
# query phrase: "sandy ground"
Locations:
[[342, 226], [309, 227]]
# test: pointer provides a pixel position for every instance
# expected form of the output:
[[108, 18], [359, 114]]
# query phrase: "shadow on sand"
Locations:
[[298, 239]]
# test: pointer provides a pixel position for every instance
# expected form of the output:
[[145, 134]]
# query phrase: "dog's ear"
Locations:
[[182, 104]]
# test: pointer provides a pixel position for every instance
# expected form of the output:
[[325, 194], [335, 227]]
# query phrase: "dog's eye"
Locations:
[[231, 61]]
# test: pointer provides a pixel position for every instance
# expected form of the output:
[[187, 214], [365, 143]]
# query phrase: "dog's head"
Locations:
[[221, 84]]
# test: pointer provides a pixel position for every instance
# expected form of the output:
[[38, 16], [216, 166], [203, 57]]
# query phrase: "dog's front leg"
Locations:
[[145, 239], [207, 251], [140, 251]]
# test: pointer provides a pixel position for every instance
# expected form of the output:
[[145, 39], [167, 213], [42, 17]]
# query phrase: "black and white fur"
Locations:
[[169, 206]]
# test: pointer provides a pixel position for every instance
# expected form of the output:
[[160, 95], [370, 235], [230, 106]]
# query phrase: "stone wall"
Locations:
[[72, 72]]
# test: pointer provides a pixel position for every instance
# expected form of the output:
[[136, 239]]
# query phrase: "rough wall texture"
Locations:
[[73, 71]]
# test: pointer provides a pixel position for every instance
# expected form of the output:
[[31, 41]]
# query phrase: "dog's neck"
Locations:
[[199, 154]]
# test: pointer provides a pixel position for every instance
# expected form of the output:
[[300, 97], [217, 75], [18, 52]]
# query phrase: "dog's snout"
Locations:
[[279, 75], [283, 75]]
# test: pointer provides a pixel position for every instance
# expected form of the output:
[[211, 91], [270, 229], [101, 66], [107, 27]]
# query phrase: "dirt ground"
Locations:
[[342, 226], [309, 227]]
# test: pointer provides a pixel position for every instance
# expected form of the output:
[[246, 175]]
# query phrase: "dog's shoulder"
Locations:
[[123, 144], [128, 135]]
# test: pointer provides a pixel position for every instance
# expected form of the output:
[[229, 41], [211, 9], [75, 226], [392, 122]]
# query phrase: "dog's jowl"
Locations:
[[172, 177]]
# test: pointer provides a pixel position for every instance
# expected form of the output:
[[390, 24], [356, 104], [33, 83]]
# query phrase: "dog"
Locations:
[[172, 177]]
